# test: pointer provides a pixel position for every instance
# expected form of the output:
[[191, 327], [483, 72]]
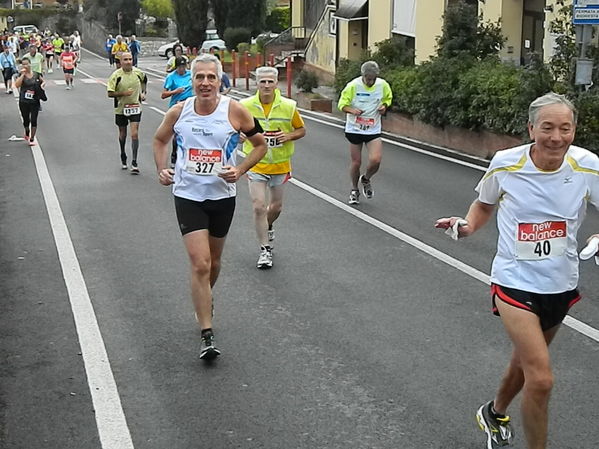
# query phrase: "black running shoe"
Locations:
[[497, 427], [207, 349]]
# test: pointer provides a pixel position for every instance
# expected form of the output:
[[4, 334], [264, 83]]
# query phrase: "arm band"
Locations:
[[255, 130]]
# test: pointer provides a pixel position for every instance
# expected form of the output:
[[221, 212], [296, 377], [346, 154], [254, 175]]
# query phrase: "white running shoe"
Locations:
[[354, 197], [265, 259]]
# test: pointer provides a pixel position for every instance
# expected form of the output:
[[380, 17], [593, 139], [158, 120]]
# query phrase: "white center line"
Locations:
[[110, 418]]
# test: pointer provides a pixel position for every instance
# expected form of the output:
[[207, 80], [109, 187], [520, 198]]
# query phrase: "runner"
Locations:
[[118, 49], [134, 48], [207, 128], [76, 45], [58, 43], [110, 41], [364, 100], [541, 192], [36, 60], [282, 125], [178, 53], [29, 83], [48, 50], [127, 86], [177, 86], [9, 68], [68, 60], [225, 82]]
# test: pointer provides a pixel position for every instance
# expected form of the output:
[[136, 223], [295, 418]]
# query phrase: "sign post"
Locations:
[[585, 15], [119, 17]]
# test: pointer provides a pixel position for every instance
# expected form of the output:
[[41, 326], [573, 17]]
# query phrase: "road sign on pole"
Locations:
[[586, 12]]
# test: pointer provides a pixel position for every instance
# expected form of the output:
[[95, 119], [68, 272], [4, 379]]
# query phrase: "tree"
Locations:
[[191, 17], [242, 10], [158, 8], [106, 12], [464, 34]]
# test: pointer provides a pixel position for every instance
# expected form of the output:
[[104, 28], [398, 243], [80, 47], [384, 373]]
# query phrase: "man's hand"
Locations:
[[165, 176], [230, 174], [242, 137], [282, 137], [382, 109], [354, 111], [127, 93], [456, 227]]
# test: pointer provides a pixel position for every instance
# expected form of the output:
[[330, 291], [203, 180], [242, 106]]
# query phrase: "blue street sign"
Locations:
[[586, 12]]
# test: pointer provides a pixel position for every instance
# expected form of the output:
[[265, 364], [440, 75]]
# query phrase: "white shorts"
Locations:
[[270, 180]]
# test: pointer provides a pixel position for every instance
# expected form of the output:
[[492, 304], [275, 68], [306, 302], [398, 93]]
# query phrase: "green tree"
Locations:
[[466, 34], [239, 11], [105, 11], [158, 8], [192, 19]]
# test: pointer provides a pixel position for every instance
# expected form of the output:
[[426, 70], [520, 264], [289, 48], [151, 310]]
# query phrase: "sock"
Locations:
[[207, 332], [122, 144], [134, 147], [270, 227], [495, 413]]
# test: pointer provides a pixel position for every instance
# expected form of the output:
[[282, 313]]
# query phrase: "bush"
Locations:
[[234, 36], [587, 130], [306, 81], [392, 53], [243, 47]]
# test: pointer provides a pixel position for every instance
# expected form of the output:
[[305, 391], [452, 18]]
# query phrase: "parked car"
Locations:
[[212, 42], [166, 50], [25, 29]]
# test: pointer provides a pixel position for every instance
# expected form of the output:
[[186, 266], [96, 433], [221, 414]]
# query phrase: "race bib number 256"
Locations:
[[537, 241]]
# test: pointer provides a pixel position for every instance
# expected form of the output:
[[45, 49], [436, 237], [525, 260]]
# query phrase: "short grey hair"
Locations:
[[266, 71], [207, 58], [370, 68], [548, 100]]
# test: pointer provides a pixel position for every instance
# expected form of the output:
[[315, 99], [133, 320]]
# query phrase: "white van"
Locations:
[[25, 29]]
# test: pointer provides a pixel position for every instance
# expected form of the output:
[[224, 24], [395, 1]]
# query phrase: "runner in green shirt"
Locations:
[[127, 86]]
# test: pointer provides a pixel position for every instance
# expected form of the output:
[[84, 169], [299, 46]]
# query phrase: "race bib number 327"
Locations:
[[537, 241], [204, 162]]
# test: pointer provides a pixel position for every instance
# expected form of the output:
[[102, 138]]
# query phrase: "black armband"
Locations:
[[255, 130]]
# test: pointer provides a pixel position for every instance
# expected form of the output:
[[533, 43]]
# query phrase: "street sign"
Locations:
[[586, 12]]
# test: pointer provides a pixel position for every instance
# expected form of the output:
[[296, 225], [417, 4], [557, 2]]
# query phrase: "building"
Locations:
[[333, 29]]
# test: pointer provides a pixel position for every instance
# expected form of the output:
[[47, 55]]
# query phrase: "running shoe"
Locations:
[[497, 427], [265, 259], [354, 197], [271, 235], [50, 71], [207, 349], [31, 142], [366, 187], [134, 169], [68, 87], [124, 166]]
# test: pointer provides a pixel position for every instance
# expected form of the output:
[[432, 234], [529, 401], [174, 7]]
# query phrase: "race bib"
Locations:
[[536, 241], [364, 123], [29, 94], [131, 109], [271, 140], [204, 162]]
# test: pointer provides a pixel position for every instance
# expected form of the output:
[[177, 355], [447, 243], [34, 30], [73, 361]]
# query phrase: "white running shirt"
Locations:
[[205, 143], [538, 217]]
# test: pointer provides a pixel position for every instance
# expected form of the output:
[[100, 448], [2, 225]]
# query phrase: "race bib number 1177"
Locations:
[[537, 241]]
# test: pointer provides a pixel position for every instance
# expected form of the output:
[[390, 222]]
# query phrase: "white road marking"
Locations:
[[91, 77], [108, 411], [60, 82], [89, 80]]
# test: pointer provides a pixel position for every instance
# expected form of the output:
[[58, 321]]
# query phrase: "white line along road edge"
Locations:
[[110, 418], [573, 323]]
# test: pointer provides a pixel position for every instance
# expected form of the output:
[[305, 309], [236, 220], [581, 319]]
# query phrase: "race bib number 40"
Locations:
[[537, 241], [204, 162], [131, 109]]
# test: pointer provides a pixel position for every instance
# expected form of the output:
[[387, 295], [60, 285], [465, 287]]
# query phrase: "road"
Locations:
[[359, 337]]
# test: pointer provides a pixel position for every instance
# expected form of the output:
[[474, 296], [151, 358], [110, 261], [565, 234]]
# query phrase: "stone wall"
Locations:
[[482, 144]]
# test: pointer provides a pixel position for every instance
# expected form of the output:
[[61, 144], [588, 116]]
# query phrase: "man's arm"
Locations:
[[160, 144], [243, 121], [478, 215]]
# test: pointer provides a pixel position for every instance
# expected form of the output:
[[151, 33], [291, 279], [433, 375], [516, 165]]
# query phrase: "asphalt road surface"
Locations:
[[372, 330]]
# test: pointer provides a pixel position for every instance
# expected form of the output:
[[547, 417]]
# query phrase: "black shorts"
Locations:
[[550, 308], [7, 73], [214, 215], [358, 139], [123, 120], [68, 71]]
